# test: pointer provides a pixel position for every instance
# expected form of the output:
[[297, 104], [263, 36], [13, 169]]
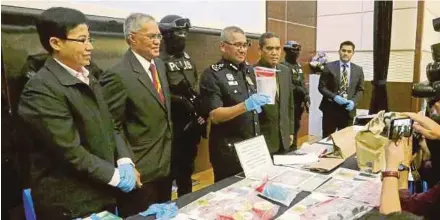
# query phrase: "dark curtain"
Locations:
[[383, 14]]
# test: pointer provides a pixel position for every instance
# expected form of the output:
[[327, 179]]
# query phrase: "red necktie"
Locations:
[[156, 82]]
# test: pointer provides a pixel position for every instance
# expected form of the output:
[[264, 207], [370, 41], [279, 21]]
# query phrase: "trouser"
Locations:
[[335, 119], [138, 200], [184, 153], [297, 123]]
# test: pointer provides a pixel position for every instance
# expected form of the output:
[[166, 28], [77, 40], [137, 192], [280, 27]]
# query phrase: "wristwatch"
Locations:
[[395, 174], [402, 168]]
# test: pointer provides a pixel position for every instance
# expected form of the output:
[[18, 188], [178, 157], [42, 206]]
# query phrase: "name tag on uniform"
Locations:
[[233, 83]]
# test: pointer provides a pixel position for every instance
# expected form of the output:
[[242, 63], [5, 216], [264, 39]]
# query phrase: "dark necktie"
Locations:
[[156, 82], [344, 79]]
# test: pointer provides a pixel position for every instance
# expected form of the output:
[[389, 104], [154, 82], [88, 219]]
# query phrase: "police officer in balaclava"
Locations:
[[182, 76], [292, 50]]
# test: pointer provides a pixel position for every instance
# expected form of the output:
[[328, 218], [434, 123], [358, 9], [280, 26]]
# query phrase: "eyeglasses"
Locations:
[[239, 45], [151, 36], [82, 40]]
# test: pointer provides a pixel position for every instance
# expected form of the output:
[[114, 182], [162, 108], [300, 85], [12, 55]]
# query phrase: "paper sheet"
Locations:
[[300, 208], [255, 159], [266, 82], [338, 187], [290, 159], [367, 192], [337, 208], [314, 182], [293, 177]]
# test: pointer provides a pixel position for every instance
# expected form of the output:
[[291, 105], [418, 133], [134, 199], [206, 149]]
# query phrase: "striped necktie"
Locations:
[[344, 79], [156, 82]]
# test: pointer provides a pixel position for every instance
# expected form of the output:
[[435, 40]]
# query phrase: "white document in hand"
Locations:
[[266, 82], [255, 159]]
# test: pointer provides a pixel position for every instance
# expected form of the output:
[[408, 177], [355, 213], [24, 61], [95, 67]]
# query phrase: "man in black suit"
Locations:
[[341, 85], [73, 171], [137, 92], [276, 121]]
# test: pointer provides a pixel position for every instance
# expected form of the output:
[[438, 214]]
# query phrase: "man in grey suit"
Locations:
[[341, 85], [73, 172], [137, 92], [276, 121]]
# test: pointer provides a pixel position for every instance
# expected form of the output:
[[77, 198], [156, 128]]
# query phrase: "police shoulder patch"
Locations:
[[217, 67]]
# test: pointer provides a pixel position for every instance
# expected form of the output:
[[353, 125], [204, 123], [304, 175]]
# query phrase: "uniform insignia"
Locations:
[[233, 83], [30, 74], [217, 67], [229, 76], [233, 66], [186, 55], [249, 80]]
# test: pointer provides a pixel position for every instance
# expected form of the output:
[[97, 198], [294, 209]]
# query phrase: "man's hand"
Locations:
[[255, 101], [341, 101], [396, 153], [127, 177], [291, 139], [138, 178], [425, 126], [350, 105]]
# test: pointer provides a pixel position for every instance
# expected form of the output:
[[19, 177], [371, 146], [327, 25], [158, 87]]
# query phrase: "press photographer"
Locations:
[[430, 90]]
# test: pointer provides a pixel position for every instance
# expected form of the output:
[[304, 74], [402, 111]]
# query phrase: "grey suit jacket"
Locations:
[[139, 114], [329, 83], [80, 146], [277, 132]]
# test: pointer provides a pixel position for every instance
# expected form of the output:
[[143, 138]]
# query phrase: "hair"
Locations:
[[347, 43], [57, 22], [267, 35], [134, 22], [226, 33], [375, 215]]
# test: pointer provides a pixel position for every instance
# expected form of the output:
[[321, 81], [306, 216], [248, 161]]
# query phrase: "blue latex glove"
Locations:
[[350, 105], [161, 211], [127, 177], [341, 101], [255, 101], [94, 217]]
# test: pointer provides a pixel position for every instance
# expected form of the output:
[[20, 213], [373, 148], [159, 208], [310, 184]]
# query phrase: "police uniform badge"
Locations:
[[30, 74], [229, 76], [217, 67], [186, 55], [249, 80]]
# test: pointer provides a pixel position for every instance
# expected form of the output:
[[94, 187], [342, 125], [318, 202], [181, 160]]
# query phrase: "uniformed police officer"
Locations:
[[228, 91], [300, 92], [182, 79]]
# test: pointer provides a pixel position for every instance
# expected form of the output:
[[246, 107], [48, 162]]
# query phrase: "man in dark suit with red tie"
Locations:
[[137, 92], [341, 85]]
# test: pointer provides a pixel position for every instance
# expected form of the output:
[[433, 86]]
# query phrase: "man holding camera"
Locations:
[[182, 78], [341, 85]]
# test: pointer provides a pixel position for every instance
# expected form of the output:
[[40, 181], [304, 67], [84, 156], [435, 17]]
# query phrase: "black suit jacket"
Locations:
[[329, 83], [80, 147], [276, 121], [138, 112]]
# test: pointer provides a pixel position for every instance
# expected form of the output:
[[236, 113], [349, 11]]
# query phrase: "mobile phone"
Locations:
[[400, 127]]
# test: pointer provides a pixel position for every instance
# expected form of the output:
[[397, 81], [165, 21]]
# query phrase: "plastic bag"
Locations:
[[278, 192], [251, 207]]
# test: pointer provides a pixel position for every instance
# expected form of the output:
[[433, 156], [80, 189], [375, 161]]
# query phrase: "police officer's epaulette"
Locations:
[[217, 67]]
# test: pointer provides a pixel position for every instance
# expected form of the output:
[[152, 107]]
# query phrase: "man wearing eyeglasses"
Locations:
[[82, 158], [228, 91], [277, 124], [188, 124], [136, 90]]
